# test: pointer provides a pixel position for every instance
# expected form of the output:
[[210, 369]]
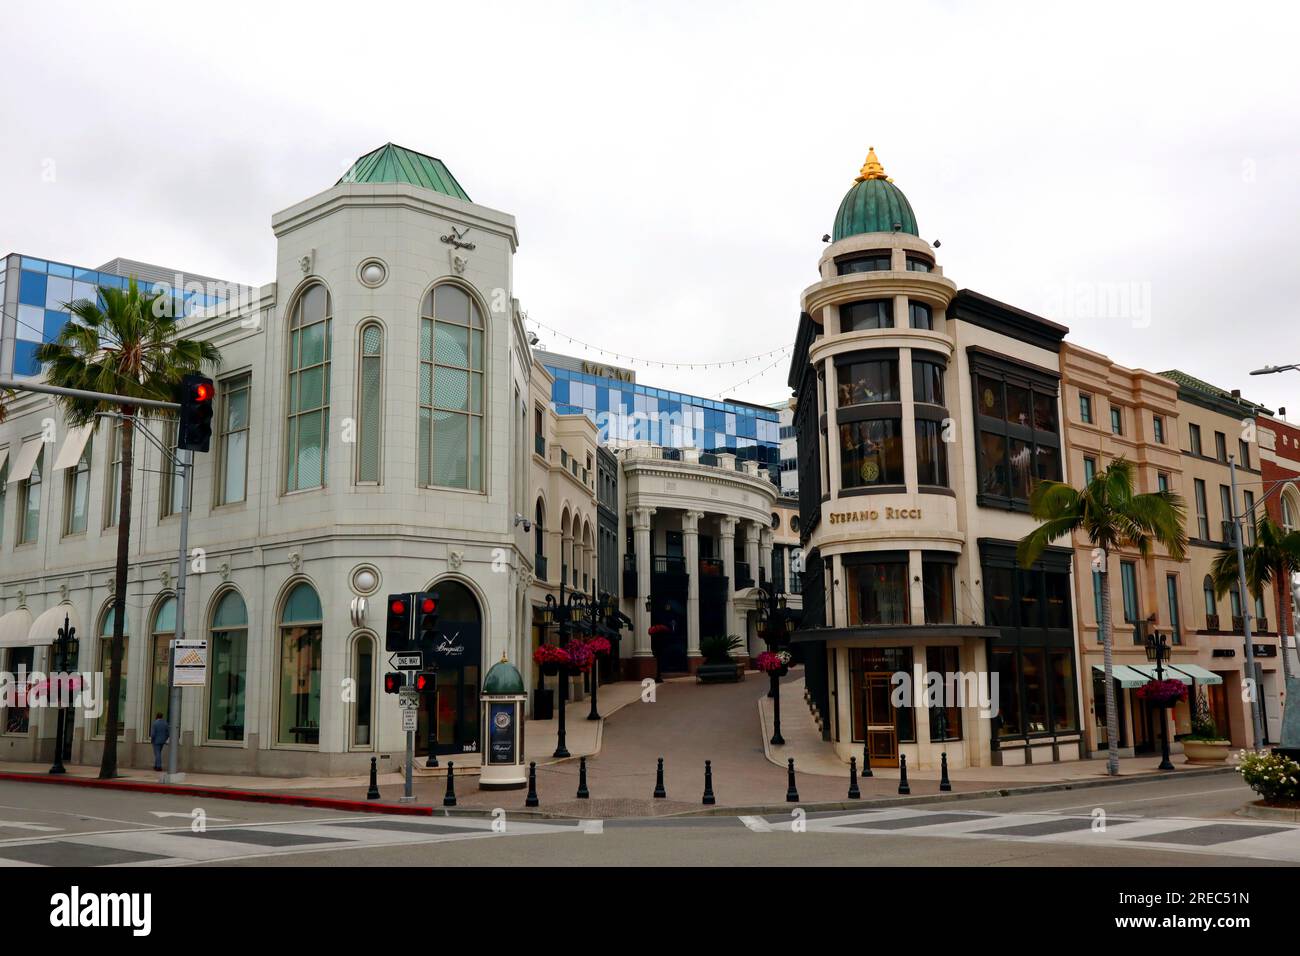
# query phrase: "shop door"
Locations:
[[881, 730], [457, 656], [1099, 711], [1144, 728]]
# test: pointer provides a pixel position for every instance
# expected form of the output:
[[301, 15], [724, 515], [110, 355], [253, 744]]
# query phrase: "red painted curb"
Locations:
[[220, 793]]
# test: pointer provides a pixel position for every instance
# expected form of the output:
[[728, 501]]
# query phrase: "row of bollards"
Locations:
[[660, 793]]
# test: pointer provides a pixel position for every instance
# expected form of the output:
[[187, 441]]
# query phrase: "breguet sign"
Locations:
[[887, 513]]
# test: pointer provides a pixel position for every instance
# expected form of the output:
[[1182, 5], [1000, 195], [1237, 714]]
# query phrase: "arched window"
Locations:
[[539, 536], [301, 624], [105, 665], [1288, 511], [227, 668], [162, 629], [460, 637], [363, 672], [370, 402], [451, 390], [307, 443]]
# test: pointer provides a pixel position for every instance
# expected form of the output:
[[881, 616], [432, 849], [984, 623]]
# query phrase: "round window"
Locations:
[[372, 273]]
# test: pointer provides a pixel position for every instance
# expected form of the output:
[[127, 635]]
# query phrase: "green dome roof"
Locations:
[[503, 678], [874, 204]]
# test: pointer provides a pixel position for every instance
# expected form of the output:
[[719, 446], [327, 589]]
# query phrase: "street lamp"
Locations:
[[558, 611], [1157, 647], [65, 646], [776, 624], [1270, 369]]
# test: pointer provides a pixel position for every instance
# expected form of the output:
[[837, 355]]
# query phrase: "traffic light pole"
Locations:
[[408, 796], [184, 461]]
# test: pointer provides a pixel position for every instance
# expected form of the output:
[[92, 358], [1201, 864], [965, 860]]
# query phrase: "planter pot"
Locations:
[[1206, 751], [550, 668], [718, 673]]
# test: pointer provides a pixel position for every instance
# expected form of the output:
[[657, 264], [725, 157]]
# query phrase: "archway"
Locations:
[[458, 656]]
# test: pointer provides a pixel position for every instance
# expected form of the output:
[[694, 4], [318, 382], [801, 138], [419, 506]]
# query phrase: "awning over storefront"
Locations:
[[73, 446], [1170, 673], [25, 460], [45, 629], [1198, 673], [1128, 677], [14, 628]]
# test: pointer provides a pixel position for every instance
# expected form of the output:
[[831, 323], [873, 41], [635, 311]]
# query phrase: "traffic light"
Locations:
[[393, 682], [399, 622], [195, 430], [426, 622], [424, 680]]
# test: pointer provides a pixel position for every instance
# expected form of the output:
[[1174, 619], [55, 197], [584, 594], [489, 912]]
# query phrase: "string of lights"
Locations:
[[760, 374], [657, 363]]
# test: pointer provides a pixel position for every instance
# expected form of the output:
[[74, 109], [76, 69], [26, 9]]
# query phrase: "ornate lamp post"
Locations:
[[775, 624], [1157, 647], [65, 646], [561, 612]]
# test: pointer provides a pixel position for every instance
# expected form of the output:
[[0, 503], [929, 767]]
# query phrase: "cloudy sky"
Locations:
[[1131, 170]]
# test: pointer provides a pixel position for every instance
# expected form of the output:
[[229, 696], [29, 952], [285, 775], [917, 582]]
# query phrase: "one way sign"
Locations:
[[407, 662]]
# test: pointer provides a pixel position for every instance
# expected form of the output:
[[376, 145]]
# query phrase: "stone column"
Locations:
[[751, 548], [691, 545], [727, 529], [641, 540], [765, 553]]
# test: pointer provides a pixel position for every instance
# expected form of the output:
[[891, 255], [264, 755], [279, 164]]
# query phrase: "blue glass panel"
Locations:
[[31, 288], [560, 392], [25, 358], [35, 265], [58, 270], [86, 275], [54, 323]]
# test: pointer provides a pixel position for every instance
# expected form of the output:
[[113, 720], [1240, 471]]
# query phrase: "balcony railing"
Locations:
[[744, 578], [667, 564], [539, 567], [711, 567], [796, 582], [539, 445], [1211, 622]]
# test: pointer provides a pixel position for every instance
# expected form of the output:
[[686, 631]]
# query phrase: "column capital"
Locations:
[[641, 517], [752, 529], [728, 526], [691, 521]]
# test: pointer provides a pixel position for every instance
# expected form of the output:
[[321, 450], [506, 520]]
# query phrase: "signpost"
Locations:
[[191, 667], [408, 699]]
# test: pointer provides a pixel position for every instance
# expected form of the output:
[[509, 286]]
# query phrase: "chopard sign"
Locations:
[[873, 514]]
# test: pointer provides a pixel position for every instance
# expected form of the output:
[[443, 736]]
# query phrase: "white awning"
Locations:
[[73, 446], [1128, 677], [1170, 673], [26, 459], [1199, 674], [45, 629], [14, 628]]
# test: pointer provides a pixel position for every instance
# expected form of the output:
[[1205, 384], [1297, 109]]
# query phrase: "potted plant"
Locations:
[[718, 665], [774, 662], [599, 645], [580, 654], [1162, 693], [551, 657], [1273, 776], [1205, 745]]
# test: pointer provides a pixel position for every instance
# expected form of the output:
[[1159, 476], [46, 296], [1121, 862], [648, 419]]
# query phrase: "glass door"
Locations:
[[881, 729]]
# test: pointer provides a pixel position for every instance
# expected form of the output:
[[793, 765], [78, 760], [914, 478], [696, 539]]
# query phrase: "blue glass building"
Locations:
[[625, 410], [34, 294]]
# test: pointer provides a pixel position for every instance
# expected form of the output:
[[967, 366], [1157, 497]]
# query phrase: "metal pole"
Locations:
[[65, 635], [82, 393], [408, 795], [1256, 725], [185, 461], [1164, 712]]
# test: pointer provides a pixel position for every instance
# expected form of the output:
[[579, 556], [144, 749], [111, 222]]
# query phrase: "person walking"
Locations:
[[159, 733]]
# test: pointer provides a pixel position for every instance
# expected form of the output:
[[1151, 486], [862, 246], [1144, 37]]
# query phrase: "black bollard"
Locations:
[[660, 792], [945, 784], [373, 792], [854, 792], [708, 784], [903, 788], [866, 757], [450, 799], [531, 799], [583, 792], [791, 794]]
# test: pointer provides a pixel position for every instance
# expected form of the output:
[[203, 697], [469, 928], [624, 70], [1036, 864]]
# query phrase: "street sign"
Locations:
[[410, 721], [191, 663], [408, 697], [407, 662]]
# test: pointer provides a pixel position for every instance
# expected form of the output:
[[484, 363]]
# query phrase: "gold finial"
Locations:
[[503, 658], [872, 169]]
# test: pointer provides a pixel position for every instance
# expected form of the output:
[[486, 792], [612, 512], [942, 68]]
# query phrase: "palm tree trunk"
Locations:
[[1108, 666], [108, 767], [1282, 584]]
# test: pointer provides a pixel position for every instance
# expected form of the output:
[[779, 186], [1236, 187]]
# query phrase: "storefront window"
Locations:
[[878, 592], [1064, 709], [163, 630], [300, 668], [19, 665], [1035, 690], [945, 719], [999, 599], [871, 673], [105, 665], [875, 380], [871, 453], [228, 665], [940, 605], [1007, 715], [363, 672]]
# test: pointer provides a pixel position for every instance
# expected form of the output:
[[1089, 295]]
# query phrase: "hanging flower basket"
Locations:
[[1162, 693], [581, 656], [774, 662], [599, 645], [551, 658]]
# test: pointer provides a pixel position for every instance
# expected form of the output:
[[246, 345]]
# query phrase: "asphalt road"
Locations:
[[1170, 822]]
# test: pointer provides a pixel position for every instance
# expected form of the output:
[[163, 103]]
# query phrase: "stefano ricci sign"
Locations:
[[888, 513]]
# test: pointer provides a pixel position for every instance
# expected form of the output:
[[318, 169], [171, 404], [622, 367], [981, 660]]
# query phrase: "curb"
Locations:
[[1258, 811]]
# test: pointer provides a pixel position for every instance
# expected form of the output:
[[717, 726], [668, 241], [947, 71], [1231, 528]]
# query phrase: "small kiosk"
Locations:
[[503, 700]]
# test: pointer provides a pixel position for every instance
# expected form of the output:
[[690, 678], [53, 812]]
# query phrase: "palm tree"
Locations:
[[1111, 516], [1273, 557], [124, 344]]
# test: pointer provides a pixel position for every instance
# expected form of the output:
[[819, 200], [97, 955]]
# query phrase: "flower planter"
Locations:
[[729, 673], [1206, 751], [551, 668]]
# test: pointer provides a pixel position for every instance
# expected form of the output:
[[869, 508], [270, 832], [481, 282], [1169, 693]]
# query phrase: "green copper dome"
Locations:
[[874, 204], [397, 164], [503, 678]]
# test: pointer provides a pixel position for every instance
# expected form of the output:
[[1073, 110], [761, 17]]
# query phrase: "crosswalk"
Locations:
[[1231, 837], [181, 845]]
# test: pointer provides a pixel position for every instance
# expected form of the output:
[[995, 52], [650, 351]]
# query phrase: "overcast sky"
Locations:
[[673, 166]]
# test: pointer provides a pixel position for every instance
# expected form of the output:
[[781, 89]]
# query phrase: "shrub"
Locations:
[[717, 648], [1270, 775]]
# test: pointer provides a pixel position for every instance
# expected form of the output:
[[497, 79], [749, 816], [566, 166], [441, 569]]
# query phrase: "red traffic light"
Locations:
[[202, 392], [392, 682], [428, 605], [421, 682], [398, 607]]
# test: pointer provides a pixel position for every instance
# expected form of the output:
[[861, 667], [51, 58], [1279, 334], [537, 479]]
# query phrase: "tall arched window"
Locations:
[[227, 668], [105, 664], [301, 624], [451, 390], [1288, 511], [307, 443], [363, 672], [370, 401], [539, 539], [162, 629]]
